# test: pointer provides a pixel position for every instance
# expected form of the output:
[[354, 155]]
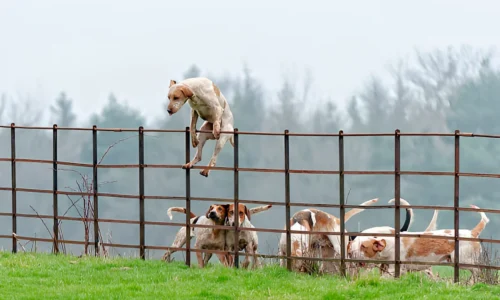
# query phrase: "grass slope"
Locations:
[[44, 276]]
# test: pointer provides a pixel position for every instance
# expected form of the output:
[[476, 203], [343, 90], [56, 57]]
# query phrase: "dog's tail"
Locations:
[[356, 211], [476, 231], [231, 140], [409, 214], [258, 209], [432, 224], [178, 209]]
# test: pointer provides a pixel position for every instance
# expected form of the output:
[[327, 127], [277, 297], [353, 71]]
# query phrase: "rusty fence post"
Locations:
[[188, 199], [287, 202], [342, 203], [142, 229], [95, 189], [236, 198], [456, 205], [14, 185], [54, 190], [397, 195]]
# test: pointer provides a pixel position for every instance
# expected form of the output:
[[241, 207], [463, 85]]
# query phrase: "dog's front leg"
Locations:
[[218, 147], [248, 252], [255, 258]]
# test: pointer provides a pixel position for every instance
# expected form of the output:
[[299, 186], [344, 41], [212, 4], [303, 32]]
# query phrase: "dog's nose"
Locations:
[[212, 214], [169, 111]]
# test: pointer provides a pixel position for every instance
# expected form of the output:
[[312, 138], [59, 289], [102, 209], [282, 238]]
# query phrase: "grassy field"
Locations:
[[35, 276]]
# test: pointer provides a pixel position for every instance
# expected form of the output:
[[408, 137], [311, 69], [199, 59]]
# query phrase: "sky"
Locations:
[[132, 49]]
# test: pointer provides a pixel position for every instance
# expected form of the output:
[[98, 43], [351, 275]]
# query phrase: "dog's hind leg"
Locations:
[[179, 242], [202, 138], [207, 257], [218, 147]]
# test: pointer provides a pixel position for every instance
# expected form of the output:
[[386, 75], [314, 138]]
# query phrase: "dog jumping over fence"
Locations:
[[314, 220], [208, 103], [206, 238], [424, 249]]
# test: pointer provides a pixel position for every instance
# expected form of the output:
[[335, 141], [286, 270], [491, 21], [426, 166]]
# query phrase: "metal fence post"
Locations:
[[142, 238], [14, 185], [456, 205], [342, 203], [95, 189], [287, 202], [236, 198], [54, 190], [397, 195], [188, 199]]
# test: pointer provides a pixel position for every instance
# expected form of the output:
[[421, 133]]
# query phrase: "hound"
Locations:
[[323, 248], [206, 238], [389, 230], [314, 220], [247, 240], [422, 248], [208, 103]]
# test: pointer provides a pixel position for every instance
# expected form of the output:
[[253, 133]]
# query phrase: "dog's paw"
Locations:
[[216, 134], [204, 173], [195, 141], [187, 166]]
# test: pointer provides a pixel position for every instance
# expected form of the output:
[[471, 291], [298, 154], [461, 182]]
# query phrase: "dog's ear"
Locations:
[[172, 82], [248, 213], [226, 208], [379, 245], [208, 211], [188, 93]]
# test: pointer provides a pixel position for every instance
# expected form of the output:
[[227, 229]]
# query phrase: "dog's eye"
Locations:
[[219, 209], [176, 98], [241, 213]]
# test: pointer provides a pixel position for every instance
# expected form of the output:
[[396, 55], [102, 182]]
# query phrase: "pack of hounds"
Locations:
[[208, 103]]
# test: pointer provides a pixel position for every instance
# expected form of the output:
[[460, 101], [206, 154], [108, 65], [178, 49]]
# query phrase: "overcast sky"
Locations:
[[91, 48]]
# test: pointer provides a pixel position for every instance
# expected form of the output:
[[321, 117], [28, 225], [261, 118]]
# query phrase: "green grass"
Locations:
[[37, 276]]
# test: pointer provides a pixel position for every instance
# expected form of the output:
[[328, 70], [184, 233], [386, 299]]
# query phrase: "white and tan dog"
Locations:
[[390, 230], [208, 103], [206, 238], [422, 249], [314, 220], [248, 240]]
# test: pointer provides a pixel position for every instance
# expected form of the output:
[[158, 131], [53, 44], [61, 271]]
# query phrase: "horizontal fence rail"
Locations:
[[97, 197]]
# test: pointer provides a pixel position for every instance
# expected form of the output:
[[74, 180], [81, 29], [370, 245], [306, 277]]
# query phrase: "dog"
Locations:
[[322, 247], [314, 220], [208, 103], [423, 249], [389, 230], [206, 238], [247, 240]]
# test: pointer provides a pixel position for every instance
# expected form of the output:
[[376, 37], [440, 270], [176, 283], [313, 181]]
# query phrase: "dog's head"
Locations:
[[243, 212], [365, 247], [217, 213], [178, 94]]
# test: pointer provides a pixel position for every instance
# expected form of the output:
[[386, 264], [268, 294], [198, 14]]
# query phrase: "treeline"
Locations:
[[440, 91]]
